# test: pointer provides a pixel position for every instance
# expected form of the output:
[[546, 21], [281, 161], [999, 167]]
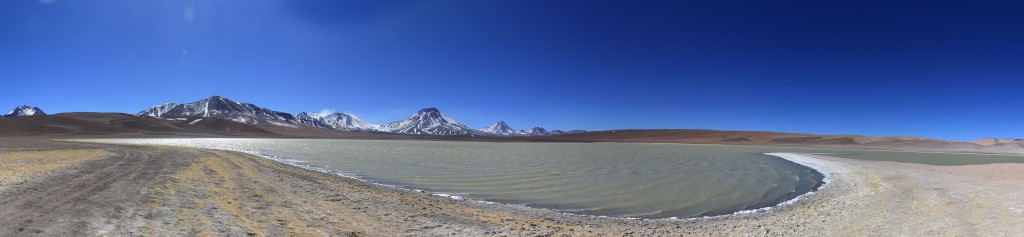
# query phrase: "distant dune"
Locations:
[[904, 143], [117, 124], [997, 141]]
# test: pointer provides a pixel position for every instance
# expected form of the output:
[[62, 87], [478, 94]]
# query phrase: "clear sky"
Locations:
[[939, 69]]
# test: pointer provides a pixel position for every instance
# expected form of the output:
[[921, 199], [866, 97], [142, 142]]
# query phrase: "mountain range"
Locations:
[[427, 121], [222, 117], [336, 121], [503, 129], [217, 116]]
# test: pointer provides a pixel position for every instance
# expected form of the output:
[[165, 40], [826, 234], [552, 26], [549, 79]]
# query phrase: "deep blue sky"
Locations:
[[940, 69]]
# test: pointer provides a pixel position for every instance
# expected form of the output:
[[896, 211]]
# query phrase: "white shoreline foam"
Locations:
[[812, 163]]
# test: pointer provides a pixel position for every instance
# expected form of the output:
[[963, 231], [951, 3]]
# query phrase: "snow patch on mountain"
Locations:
[[500, 128], [337, 121], [535, 131], [157, 111], [24, 110], [428, 121], [219, 107]]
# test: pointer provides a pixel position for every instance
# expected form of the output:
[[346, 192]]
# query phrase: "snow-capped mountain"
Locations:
[[311, 119], [337, 121], [428, 121], [24, 110], [157, 111], [535, 131], [500, 128], [219, 107]]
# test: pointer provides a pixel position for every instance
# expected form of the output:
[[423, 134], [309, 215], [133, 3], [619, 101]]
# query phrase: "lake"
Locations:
[[602, 179]]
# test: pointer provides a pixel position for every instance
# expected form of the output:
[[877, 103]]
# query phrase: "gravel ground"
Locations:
[[151, 190]]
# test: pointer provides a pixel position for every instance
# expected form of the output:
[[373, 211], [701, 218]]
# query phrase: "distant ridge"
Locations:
[[998, 141]]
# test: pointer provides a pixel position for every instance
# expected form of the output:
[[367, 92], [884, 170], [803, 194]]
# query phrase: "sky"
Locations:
[[939, 69]]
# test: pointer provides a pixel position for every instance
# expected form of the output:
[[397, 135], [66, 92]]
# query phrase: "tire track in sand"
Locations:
[[75, 202]]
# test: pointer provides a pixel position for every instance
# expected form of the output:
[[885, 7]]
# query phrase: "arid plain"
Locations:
[[55, 187]]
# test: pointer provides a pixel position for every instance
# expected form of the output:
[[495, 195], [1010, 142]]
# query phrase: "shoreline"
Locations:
[[791, 157]]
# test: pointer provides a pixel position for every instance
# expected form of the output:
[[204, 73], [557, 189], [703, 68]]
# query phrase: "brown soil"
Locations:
[[123, 125]]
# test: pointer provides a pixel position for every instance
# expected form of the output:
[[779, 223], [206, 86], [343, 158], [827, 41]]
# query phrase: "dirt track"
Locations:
[[71, 202], [146, 191]]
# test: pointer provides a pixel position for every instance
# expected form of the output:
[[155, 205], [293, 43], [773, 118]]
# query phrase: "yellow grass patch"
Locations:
[[222, 189], [21, 166]]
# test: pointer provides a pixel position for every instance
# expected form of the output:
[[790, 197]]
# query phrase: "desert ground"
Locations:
[[56, 188]]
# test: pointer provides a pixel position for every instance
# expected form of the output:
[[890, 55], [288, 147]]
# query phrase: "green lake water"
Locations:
[[603, 179]]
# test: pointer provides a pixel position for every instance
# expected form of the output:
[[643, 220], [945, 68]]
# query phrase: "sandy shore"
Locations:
[[149, 190]]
